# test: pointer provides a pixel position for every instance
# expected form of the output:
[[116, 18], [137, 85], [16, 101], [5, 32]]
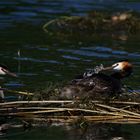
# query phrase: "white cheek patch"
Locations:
[[118, 67], [1, 71]]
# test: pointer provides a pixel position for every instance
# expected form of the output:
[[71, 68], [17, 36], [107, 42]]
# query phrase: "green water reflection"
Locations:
[[95, 131]]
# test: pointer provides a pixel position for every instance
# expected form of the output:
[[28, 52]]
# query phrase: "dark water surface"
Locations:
[[45, 58]]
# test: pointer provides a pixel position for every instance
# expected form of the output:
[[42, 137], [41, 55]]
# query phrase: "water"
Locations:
[[45, 58]]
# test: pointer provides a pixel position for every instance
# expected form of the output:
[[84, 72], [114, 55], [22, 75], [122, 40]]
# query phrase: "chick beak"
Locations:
[[9, 73]]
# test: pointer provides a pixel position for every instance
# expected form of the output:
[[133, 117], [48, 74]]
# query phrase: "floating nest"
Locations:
[[40, 111], [124, 108], [95, 22]]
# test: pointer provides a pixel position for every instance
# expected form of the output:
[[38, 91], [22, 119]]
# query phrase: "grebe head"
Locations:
[[4, 71], [122, 68]]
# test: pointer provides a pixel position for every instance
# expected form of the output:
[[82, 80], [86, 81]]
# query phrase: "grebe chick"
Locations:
[[99, 83]]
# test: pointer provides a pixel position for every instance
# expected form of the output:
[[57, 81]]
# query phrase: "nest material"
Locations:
[[114, 110]]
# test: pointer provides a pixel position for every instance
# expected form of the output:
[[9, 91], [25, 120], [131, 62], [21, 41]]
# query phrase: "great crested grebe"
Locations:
[[4, 71], [98, 83]]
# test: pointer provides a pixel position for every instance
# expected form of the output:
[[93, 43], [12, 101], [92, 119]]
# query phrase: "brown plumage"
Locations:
[[100, 83]]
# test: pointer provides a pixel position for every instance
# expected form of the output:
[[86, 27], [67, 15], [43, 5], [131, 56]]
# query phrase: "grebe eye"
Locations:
[[115, 65]]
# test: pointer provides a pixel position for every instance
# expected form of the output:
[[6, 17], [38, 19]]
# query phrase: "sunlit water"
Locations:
[[45, 58]]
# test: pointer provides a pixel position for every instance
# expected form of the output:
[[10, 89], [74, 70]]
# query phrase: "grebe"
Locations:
[[94, 83], [4, 71]]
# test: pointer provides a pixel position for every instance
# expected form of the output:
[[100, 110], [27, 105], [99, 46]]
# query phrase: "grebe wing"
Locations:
[[97, 81]]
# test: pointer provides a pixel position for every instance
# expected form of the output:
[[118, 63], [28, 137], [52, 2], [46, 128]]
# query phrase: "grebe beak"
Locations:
[[116, 66], [9, 73], [108, 68]]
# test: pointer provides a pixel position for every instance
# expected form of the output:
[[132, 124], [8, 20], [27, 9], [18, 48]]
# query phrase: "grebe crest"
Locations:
[[122, 69]]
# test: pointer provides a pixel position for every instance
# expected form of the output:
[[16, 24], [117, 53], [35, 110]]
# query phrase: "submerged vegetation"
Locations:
[[95, 22]]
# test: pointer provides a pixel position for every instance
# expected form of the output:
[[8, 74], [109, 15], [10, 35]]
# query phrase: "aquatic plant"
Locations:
[[95, 22]]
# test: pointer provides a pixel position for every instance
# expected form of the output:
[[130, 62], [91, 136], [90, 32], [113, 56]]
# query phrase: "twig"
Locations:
[[36, 102], [105, 119], [117, 109], [54, 110], [122, 102], [64, 101], [18, 92]]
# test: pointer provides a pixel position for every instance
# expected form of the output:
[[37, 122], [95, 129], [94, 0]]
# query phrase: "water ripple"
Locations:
[[24, 14], [37, 60], [71, 57], [34, 10], [102, 52]]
